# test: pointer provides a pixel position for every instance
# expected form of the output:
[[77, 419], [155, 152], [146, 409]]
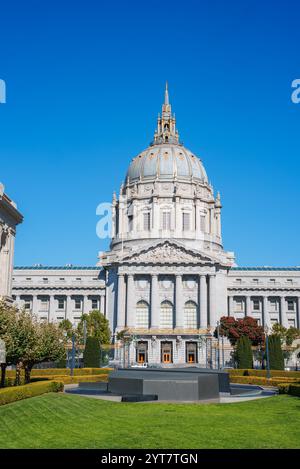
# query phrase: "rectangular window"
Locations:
[[45, 280], [238, 280], [255, 280], [272, 280], [186, 221], [289, 280], [130, 223], [28, 279], [147, 221], [273, 304], [256, 305], [202, 224], [166, 221], [239, 304], [291, 305], [78, 303], [94, 303], [27, 304], [291, 322], [61, 303], [44, 304], [274, 321], [62, 279]]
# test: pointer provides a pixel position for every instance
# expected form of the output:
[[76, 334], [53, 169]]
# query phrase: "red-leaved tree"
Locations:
[[236, 328]]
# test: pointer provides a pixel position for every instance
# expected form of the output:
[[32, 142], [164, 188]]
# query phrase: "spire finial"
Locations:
[[166, 94], [166, 124]]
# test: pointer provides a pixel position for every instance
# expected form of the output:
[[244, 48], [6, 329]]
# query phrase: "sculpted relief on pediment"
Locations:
[[166, 253]]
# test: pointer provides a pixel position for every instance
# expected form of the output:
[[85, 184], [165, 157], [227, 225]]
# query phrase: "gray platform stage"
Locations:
[[178, 384]]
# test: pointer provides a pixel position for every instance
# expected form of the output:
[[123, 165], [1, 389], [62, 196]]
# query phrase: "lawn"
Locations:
[[66, 421]]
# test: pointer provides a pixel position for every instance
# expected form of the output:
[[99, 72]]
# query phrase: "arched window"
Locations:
[[190, 315], [142, 315], [166, 315]]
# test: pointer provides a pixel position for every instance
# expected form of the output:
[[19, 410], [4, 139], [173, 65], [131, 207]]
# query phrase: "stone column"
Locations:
[[283, 312], [155, 310], [178, 217], [130, 301], [179, 314], [203, 301], [69, 313], [35, 305], [298, 312], [121, 302], [266, 316], [248, 306], [155, 217], [52, 308], [86, 307], [212, 301], [231, 307], [102, 304]]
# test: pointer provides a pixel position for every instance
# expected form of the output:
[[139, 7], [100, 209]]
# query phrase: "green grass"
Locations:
[[66, 421]]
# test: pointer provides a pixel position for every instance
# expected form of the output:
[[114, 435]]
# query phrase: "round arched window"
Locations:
[[142, 315], [190, 315], [166, 315]]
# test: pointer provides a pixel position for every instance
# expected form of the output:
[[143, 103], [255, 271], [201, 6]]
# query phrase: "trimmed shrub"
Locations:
[[17, 393], [277, 373], [260, 381], [294, 390], [244, 352], [92, 352], [62, 372], [72, 379], [275, 353]]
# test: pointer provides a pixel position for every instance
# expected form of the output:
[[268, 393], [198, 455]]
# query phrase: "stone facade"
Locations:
[[166, 279], [10, 217]]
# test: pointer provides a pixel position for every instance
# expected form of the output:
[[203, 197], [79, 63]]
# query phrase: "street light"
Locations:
[[218, 337], [267, 352]]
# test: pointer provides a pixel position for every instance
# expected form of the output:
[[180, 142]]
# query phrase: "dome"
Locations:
[[166, 161], [166, 158]]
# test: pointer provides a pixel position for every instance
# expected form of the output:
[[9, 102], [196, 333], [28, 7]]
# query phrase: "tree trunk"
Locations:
[[3, 372], [28, 369], [18, 374]]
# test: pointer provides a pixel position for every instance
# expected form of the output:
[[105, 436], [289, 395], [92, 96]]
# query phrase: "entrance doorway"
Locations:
[[166, 352], [191, 352], [142, 352]]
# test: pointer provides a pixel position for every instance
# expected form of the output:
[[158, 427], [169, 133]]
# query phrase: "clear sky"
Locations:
[[85, 81]]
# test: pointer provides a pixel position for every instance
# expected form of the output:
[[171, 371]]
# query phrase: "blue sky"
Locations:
[[85, 82]]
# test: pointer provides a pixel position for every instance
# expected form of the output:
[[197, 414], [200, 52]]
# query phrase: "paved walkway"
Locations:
[[98, 391]]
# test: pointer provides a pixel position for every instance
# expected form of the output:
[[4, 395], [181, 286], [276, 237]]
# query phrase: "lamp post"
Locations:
[[73, 355], [267, 352], [218, 337]]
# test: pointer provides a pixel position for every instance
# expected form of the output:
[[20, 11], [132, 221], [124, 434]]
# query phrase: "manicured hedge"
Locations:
[[263, 373], [62, 372], [17, 393], [261, 381], [74, 379]]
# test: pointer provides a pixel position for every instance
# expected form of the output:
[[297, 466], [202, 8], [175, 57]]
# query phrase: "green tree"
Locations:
[[96, 326], [8, 315], [244, 355], [275, 353], [92, 353], [66, 327], [49, 346]]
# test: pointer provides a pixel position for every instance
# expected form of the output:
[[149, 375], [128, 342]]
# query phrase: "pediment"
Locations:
[[167, 253]]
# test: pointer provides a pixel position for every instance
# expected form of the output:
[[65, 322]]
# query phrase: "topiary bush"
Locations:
[[244, 355], [275, 353], [92, 353], [17, 393]]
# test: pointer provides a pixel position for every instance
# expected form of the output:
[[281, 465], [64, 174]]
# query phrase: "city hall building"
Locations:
[[166, 279]]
